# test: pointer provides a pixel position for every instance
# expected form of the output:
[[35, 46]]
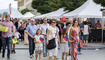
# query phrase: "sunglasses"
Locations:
[[76, 21], [53, 22]]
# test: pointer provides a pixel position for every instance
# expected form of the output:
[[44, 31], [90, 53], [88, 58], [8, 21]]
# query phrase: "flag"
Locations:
[[66, 38], [2, 17], [41, 39], [10, 9]]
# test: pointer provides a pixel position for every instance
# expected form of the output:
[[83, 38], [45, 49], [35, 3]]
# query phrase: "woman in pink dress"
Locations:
[[75, 40]]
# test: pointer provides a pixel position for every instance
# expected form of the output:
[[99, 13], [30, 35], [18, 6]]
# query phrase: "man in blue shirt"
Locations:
[[31, 31], [81, 25]]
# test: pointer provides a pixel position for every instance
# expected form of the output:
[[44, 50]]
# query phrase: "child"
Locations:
[[14, 41], [86, 32], [17, 35], [64, 45], [39, 39]]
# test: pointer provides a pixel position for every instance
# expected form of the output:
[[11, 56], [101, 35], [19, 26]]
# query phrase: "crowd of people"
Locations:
[[45, 37]]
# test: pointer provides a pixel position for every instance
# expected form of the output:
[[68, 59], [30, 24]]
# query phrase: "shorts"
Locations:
[[53, 52], [86, 37], [64, 47], [38, 50]]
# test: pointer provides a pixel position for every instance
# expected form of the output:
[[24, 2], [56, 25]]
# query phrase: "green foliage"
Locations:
[[45, 6], [25, 10], [102, 2]]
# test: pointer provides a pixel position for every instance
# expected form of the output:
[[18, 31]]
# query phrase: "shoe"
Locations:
[[8, 57], [3, 56], [69, 54], [44, 55], [79, 53], [14, 51], [11, 51], [31, 56]]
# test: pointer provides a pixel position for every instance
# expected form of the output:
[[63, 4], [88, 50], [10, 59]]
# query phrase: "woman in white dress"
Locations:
[[52, 32]]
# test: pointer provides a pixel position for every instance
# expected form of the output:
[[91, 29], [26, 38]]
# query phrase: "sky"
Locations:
[[5, 3]]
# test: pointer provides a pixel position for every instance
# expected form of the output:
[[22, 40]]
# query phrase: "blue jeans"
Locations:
[[79, 48], [31, 45], [44, 47], [6, 42]]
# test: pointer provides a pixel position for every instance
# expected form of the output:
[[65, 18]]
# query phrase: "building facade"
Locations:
[[22, 4]]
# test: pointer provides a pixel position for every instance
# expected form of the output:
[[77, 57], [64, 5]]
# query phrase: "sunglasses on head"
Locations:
[[53, 22]]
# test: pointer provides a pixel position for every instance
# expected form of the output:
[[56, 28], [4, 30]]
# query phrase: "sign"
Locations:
[[3, 29], [103, 13]]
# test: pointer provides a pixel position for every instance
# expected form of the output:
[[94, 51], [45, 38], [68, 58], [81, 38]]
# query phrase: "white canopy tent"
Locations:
[[28, 15], [14, 13], [88, 10], [51, 15]]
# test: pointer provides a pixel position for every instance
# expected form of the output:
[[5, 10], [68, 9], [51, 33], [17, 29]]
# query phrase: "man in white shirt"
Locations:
[[44, 28]]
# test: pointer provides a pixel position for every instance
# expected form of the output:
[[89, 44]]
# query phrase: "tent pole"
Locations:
[[103, 15], [102, 29]]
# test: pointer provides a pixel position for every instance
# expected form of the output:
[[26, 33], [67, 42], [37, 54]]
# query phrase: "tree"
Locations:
[[102, 2], [45, 6], [25, 10]]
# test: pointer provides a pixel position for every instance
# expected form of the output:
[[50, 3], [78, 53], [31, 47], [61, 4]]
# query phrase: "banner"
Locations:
[[3, 29], [103, 13]]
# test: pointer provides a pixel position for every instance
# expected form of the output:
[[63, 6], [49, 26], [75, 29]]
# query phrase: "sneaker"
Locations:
[[79, 53], [31, 56], [69, 54], [8, 57], [14, 51], [45, 55], [3, 56]]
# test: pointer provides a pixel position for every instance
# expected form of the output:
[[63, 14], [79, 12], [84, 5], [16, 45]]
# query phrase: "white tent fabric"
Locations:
[[51, 15], [28, 15], [88, 10], [14, 13]]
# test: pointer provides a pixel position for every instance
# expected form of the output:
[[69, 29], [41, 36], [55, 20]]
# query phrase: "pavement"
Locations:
[[89, 46], [98, 54], [93, 51]]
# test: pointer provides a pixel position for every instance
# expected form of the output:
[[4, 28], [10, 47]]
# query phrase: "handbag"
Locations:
[[80, 43], [51, 44]]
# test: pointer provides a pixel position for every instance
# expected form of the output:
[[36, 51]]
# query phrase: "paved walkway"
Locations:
[[92, 52], [89, 46], [86, 55]]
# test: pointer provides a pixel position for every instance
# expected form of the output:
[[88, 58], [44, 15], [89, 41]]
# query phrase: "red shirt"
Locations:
[[98, 25]]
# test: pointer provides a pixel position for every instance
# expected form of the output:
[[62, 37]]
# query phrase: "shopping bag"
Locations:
[[14, 41]]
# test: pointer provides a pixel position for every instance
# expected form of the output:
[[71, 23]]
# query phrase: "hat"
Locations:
[[32, 19]]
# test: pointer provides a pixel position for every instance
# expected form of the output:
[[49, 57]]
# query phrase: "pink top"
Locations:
[[10, 26]]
